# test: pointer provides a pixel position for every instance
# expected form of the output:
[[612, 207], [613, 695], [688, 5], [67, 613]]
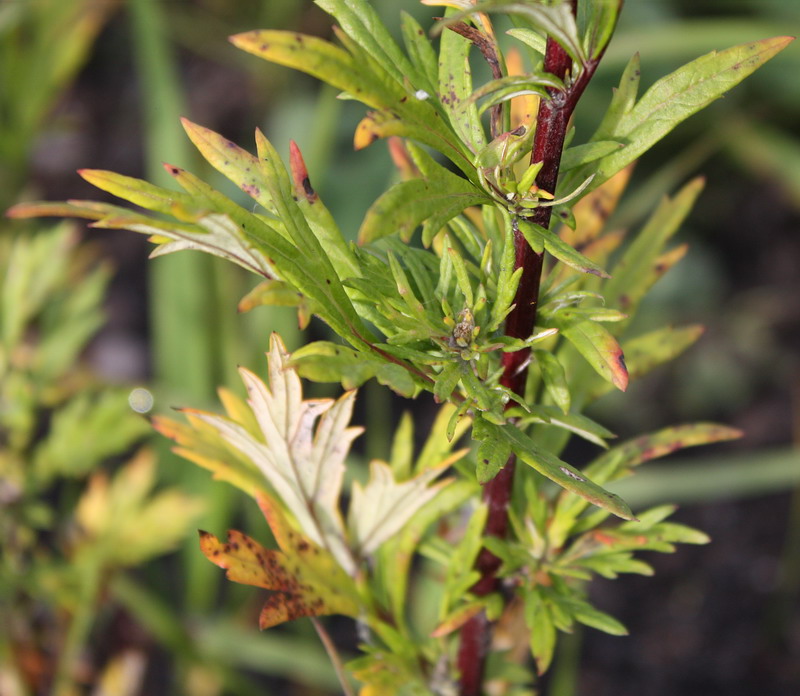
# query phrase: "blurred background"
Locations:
[[101, 84]]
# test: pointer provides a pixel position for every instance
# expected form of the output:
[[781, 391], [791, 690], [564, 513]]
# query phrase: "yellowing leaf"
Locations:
[[306, 579], [126, 521]]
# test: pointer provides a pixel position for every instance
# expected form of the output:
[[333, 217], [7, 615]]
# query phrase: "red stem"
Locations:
[[551, 128]]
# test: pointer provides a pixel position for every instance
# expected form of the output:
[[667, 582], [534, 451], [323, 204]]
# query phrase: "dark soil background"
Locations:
[[716, 620]]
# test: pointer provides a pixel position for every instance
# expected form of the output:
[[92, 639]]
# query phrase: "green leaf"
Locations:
[[578, 155], [362, 24], [646, 352], [455, 87], [408, 204], [539, 618], [601, 22], [560, 472], [600, 349], [537, 236], [319, 58], [492, 456], [420, 51], [554, 378], [446, 381], [674, 98], [87, 430], [574, 422], [622, 100], [556, 21], [589, 616], [318, 278], [323, 361]]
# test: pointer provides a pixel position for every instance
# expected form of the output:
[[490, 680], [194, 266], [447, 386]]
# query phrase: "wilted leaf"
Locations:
[[306, 579]]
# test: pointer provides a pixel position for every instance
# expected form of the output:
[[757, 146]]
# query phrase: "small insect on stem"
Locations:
[[571, 474]]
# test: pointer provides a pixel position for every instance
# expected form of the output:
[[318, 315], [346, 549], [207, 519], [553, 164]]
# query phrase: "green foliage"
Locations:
[[68, 524], [429, 317]]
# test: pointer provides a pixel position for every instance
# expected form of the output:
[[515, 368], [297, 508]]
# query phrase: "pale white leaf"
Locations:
[[304, 468], [383, 506]]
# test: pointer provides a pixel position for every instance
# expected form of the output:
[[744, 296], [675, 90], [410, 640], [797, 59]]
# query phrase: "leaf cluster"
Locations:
[[420, 304]]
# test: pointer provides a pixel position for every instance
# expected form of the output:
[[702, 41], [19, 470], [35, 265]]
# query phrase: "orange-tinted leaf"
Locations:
[[601, 350], [307, 581]]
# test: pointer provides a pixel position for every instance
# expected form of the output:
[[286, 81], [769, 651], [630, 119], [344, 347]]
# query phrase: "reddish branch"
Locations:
[[551, 127]]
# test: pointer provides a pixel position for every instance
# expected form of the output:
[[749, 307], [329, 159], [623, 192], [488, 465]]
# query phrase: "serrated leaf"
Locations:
[[305, 468], [305, 578], [382, 507], [600, 349]]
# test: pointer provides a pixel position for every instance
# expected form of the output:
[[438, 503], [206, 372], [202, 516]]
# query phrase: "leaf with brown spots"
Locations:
[[306, 579]]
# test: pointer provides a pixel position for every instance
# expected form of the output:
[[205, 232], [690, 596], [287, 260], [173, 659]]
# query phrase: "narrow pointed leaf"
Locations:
[[600, 349], [674, 98], [646, 352], [538, 236], [562, 473]]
